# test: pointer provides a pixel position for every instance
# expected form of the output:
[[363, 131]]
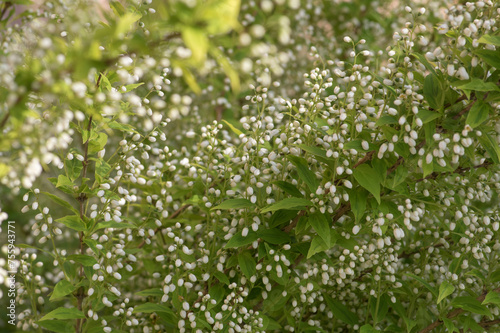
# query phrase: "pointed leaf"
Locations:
[[340, 311], [445, 289], [304, 172], [433, 92], [317, 245], [64, 313], [73, 222], [289, 204], [238, 240], [274, 236], [247, 264], [151, 307], [321, 225], [234, 204], [367, 177], [61, 289]]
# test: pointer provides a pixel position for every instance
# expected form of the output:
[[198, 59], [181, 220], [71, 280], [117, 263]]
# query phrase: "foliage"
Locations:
[[353, 187]]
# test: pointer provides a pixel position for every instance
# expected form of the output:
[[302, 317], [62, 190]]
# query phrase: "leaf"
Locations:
[[490, 57], [197, 41], [433, 92], [425, 283], [58, 326], [426, 115], [61, 289], [62, 180], [478, 114], [490, 144], [367, 177], [321, 225], [288, 188], [492, 298], [83, 259], [121, 127], [280, 217], [379, 307], [400, 175], [368, 329], [64, 313], [317, 245], [491, 40], [386, 120], [274, 236], [130, 87], [60, 201], [73, 222], [150, 292], [238, 240], [445, 289], [234, 204], [152, 307], [340, 311], [232, 127], [221, 16], [304, 172], [449, 325], [477, 85], [221, 277], [125, 24], [288, 203], [98, 143], [247, 264], [470, 304], [357, 198], [313, 150]]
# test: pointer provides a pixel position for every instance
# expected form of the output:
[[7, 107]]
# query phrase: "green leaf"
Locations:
[[357, 198], [368, 329], [274, 236], [157, 292], [304, 172], [60, 201], [247, 264], [321, 225], [62, 180], [221, 16], [313, 150], [386, 120], [449, 325], [125, 24], [492, 298], [151, 307], [197, 41], [234, 204], [121, 127], [73, 222], [64, 313], [317, 245], [425, 283], [238, 240], [400, 175], [58, 326], [61, 289], [433, 92], [340, 311], [231, 126], [470, 304], [490, 144], [445, 289], [427, 168], [379, 307], [130, 87], [367, 177], [478, 114], [288, 203], [83, 259], [490, 57], [289, 188], [98, 143], [222, 277], [491, 40], [426, 115], [477, 85]]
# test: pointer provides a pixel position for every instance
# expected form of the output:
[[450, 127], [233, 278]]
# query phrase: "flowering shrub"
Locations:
[[359, 196]]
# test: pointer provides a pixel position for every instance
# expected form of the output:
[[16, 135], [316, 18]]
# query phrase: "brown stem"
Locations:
[[455, 313]]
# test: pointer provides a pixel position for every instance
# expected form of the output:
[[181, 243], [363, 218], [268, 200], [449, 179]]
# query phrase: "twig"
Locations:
[[455, 313]]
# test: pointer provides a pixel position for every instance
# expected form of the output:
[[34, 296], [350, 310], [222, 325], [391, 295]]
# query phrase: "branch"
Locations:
[[457, 312]]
